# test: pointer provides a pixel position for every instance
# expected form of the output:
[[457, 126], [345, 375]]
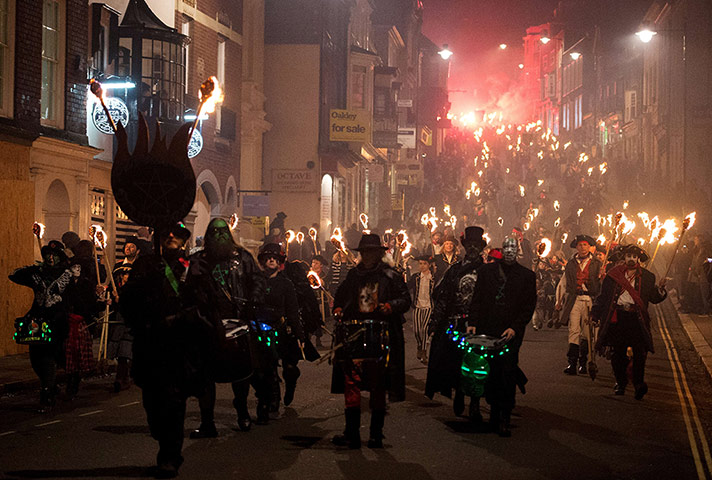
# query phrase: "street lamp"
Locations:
[[445, 53], [521, 66], [575, 55], [646, 35], [545, 40], [502, 46]]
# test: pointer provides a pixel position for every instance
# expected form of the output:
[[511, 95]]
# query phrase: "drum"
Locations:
[[235, 355], [362, 340], [32, 331], [475, 368]]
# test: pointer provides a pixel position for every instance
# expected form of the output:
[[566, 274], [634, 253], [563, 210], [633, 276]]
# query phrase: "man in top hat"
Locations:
[[575, 293], [622, 310], [447, 257], [452, 297], [371, 291]]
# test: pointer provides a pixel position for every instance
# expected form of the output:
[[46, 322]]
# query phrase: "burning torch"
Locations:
[[38, 230]]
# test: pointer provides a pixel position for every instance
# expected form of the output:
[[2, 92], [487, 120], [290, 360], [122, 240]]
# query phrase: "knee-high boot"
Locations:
[[572, 356], [375, 438], [583, 357]]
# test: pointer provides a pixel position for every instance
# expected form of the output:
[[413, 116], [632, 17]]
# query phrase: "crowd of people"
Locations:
[[184, 320]]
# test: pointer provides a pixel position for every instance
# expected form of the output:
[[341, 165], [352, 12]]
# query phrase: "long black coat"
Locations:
[[168, 348], [505, 297], [452, 298], [604, 307], [392, 290]]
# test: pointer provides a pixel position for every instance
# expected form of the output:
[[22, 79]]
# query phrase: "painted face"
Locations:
[[510, 248], [218, 232]]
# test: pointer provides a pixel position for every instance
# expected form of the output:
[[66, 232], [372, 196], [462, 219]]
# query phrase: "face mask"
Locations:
[[510, 248]]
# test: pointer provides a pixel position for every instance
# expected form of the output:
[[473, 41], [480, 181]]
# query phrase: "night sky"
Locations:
[[474, 29]]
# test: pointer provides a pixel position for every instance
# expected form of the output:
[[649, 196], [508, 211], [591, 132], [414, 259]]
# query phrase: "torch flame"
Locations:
[[453, 221], [601, 240], [689, 221], [668, 231], [544, 248], [313, 234], [337, 239], [210, 94], [432, 212], [564, 237], [300, 237], [557, 222], [424, 220], [290, 236], [99, 236], [526, 226], [314, 280], [625, 204], [363, 218], [628, 227], [38, 230], [486, 237], [641, 242], [521, 190], [579, 212], [557, 205], [500, 221], [233, 222], [446, 209]]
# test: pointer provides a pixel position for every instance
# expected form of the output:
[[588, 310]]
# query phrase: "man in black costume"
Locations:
[[503, 304], [622, 310], [452, 298], [282, 314], [224, 282], [371, 291], [166, 340]]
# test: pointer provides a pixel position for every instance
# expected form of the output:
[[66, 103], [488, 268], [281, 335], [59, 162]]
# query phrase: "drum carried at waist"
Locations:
[[235, 356], [30, 330], [362, 340]]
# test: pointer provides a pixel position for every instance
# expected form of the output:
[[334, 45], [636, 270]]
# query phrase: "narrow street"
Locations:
[[563, 427]]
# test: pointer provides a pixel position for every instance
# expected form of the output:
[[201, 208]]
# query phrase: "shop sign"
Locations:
[[350, 126], [117, 109], [294, 181], [406, 137]]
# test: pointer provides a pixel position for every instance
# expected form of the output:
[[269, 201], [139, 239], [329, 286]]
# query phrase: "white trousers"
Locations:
[[577, 319]]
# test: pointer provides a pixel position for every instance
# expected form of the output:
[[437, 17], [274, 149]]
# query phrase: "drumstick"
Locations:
[[331, 352]]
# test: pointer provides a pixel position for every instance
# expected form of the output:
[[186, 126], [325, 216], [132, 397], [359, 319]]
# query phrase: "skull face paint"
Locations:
[[510, 248]]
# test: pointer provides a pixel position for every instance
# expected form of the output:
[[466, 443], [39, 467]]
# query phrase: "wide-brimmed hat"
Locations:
[[450, 238], [635, 250], [582, 238], [370, 241], [271, 249], [474, 235], [179, 230], [54, 247]]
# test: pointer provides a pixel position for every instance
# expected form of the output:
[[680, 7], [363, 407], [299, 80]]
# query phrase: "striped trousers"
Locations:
[[421, 319]]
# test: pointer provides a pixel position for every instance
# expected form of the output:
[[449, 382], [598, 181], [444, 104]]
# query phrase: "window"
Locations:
[[565, 116], [53, 32], [578, 112], [162, 77], [7, 35], [221, 79], [631, 105], [185, 30], [358, 86]]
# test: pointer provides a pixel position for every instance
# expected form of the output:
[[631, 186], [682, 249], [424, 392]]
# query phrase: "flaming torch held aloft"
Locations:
[[687, 223], [363, 218], [337, 240], [313, 235], [210, 94], [98, 92], [38, 231], [290, 236], [234, 221]]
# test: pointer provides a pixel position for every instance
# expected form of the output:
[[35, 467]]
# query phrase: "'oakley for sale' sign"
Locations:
[[350, 126]]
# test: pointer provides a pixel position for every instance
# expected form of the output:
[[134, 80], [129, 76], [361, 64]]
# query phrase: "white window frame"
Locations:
[[185, 30], [58, 100], [221, 55], [8, 64]]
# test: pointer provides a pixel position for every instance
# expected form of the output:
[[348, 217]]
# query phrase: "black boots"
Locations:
[[583, 357], [47, 399], [572, 356], [351, 437], [458, 403], [474, 413], [289, 393], [375, 438], [640, 390], [73, 381], [244, 422]]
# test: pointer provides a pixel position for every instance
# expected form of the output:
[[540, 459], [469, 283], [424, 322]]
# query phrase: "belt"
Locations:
[[625, 308], [582, 294]]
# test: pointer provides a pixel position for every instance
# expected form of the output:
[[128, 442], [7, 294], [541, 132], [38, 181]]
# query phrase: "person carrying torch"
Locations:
[[621, 310]]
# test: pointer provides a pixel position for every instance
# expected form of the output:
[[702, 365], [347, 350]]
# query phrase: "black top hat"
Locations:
[[179, 230], [281, 215], [635, 250], [370, 241], [582, 238], [474, 235], [271, 249]]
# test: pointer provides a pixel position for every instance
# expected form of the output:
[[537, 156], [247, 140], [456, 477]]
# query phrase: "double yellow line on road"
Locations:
[[695, 430]]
